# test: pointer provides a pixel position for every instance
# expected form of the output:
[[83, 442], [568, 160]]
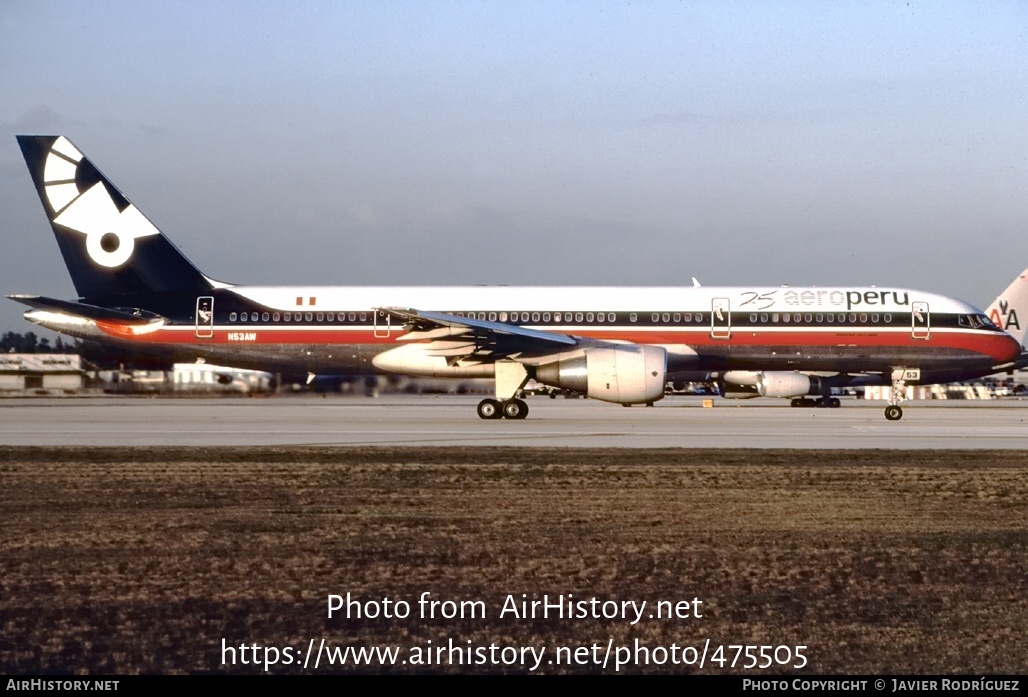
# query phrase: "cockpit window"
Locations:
[[975, 321]]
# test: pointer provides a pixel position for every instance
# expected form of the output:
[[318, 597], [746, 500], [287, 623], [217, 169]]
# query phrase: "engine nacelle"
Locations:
[[423, 360], [742, 377], [730, 391], [627, 374], [787, 384]]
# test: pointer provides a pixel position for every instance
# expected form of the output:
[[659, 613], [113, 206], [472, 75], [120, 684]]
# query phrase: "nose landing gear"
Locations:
[[894, 412]]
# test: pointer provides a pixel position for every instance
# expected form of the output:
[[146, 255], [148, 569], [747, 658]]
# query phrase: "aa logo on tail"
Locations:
[[1005, 317], [82, 200]]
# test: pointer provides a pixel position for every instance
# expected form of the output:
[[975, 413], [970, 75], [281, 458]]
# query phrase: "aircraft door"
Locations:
[[382, 324], [204, 317], [920, 320], [720, 319]]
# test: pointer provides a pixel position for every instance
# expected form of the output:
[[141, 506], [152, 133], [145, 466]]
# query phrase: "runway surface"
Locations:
[[451, 421]]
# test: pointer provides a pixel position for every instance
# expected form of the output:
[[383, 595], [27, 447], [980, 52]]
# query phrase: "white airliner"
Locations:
[[619, 345]]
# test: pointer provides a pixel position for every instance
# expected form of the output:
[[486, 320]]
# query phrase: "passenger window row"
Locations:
[[577, 317], [594, 317], [530, 317], [297, 316], [819, 318]]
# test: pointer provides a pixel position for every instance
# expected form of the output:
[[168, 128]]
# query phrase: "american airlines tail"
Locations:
[[109, 246], [1010, 310]]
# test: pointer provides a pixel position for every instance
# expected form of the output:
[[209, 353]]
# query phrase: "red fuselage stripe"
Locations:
[[996, 346]]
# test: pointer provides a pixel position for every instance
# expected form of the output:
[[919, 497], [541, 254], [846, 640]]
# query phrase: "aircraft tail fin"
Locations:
[[109, 246], [1010, 310]]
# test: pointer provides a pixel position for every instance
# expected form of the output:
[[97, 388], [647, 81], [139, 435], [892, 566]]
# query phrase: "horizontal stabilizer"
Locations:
[[93, 312]]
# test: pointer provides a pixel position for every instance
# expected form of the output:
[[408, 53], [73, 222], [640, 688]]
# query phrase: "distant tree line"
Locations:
[[13, 342], [99, 356]]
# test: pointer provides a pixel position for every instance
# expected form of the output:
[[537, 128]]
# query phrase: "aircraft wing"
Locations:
[[468, 338]]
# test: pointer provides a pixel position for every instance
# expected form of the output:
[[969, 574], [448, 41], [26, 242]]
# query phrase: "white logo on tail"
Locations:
[[110, 234]]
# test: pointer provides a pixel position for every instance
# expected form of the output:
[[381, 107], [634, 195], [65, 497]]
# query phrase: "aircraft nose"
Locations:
[[1010, 347]]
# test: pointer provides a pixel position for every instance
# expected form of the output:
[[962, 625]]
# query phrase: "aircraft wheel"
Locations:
[[797, 402], [489, 409], [834, 402], [893, 413], [524, 409], [821, 404], [553, 395], [515, 409]]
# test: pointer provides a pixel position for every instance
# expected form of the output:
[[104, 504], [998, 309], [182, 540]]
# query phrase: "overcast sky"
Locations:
[[592, 143]]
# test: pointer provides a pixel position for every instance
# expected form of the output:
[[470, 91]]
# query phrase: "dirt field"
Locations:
[[145, 560]]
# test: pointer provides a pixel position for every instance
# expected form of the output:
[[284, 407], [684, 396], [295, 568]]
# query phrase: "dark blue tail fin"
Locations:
[[110, 248]]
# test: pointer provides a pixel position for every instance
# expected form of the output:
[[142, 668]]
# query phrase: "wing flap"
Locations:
[[421, 321], [477, 340]]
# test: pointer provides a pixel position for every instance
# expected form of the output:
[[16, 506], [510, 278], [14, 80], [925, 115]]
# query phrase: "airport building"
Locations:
[[49, 372]]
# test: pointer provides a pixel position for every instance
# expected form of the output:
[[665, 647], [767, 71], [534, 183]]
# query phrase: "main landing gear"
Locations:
[[495, 409], [511, 376], [822, 402]]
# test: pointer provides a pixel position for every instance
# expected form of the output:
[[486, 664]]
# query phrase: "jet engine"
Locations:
[[627, 374], [787, 384], [745, 384], [739, 384], [730, 391]]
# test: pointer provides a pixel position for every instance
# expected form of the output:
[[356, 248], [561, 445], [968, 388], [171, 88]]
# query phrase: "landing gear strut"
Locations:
[[495, 409], [511, 376], [894, 412]]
